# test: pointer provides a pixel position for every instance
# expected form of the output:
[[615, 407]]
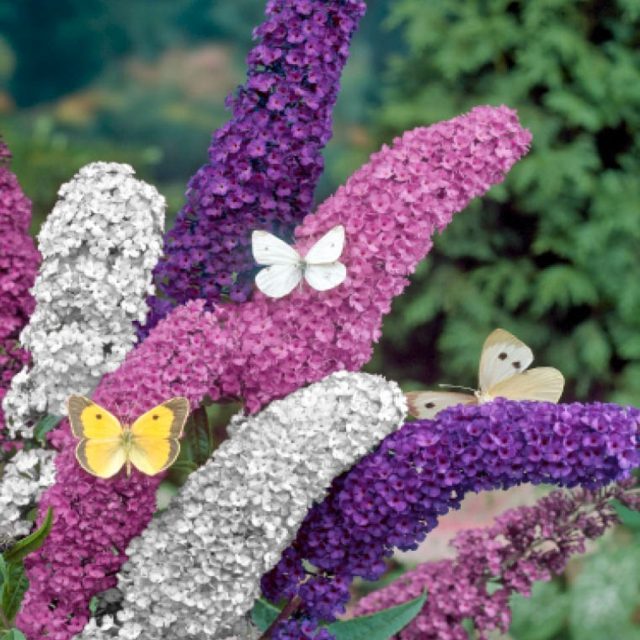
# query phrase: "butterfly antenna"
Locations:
[[456, 386]]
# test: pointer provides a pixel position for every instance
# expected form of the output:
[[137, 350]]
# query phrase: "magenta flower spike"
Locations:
[[264, 349], [525, 545], [393, 497], [19, 260], [265, 162]]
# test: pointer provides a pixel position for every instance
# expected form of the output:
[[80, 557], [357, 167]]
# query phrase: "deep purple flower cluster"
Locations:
[[394, 496], [263, 164], [19, 260]]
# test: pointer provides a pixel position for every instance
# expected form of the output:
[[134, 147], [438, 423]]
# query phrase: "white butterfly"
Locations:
[[286, 268], [503, 374]]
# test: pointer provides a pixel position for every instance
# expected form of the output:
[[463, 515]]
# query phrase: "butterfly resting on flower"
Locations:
[[504, 373], [286, 268], [151, 444]]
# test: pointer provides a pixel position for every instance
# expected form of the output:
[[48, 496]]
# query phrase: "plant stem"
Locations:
[[292, 606]]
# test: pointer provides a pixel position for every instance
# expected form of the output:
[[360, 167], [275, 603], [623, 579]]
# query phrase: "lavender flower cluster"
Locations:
[[393, 497], [525, 545], [24, 478], [263, 164], [195, 571], [99, 245]]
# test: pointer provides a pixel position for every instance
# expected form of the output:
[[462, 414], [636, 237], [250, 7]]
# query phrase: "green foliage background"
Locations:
[[554, 253]]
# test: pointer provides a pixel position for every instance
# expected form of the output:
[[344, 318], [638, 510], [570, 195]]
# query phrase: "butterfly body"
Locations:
[[286, 268], [503, 373], [150, 444]]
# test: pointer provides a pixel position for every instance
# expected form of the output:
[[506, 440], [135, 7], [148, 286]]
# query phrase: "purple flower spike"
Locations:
[[19, 260], [264, 163], [525, 545], [394, 496]]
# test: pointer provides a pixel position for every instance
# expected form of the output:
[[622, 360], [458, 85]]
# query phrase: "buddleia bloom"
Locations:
[[24, 478], [265, 162], [196, 569], [99, 245], [394, 497], [265, 349], [524, 545], [19, 262]]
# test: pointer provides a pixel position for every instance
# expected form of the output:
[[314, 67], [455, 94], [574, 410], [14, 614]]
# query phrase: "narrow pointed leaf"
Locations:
[[32, 542], [381, 625]]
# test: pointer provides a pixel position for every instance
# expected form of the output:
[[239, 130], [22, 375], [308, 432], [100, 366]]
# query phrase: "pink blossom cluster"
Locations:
[[19, 260], [525, 545], [264, 349]]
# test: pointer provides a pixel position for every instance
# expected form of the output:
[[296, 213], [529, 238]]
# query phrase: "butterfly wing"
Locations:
[[90, 420], [328, 249], [542, 383], [278, 280], [427, 404], [101, 458], [100, 451], [269, 250], [503, 355], [323, 277], [155, 434]]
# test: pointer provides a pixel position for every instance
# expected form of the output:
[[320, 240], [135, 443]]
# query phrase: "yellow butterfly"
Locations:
[[150, 444], [503, 374]]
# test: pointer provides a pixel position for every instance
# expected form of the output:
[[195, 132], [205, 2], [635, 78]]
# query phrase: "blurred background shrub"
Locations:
[[552, 255]]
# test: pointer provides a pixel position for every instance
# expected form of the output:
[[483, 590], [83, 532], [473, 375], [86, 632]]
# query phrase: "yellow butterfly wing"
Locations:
[[542, 383], [155, 434], [101, 458], [101, 450], [427, 404]]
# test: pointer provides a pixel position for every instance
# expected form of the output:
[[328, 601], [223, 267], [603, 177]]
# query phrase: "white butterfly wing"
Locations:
[[503, 355], [323, 277], [269, 250], [427, 404], [278, 280], [542, 383], [328, 249]]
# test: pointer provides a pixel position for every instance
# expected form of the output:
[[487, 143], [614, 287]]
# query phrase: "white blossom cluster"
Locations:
[[195, 572], [24, 479], [99, 246]]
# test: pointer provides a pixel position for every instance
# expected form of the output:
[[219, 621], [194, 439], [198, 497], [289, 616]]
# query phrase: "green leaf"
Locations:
[[32, 542], [45, 425], [628, 517], [264, 614], [14, 585], [469, 627], [13, 634], [542, 616], [377, 626], [381, 625]]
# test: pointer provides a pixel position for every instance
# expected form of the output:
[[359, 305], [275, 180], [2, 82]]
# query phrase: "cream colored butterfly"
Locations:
[[503, 374], [286, 268]]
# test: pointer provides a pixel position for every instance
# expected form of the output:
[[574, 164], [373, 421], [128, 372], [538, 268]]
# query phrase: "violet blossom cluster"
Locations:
[[525, 545], [99, 246], [393, 497], [24, 477], [265, 162], [264, 349], [195, 571], [19, 262]]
